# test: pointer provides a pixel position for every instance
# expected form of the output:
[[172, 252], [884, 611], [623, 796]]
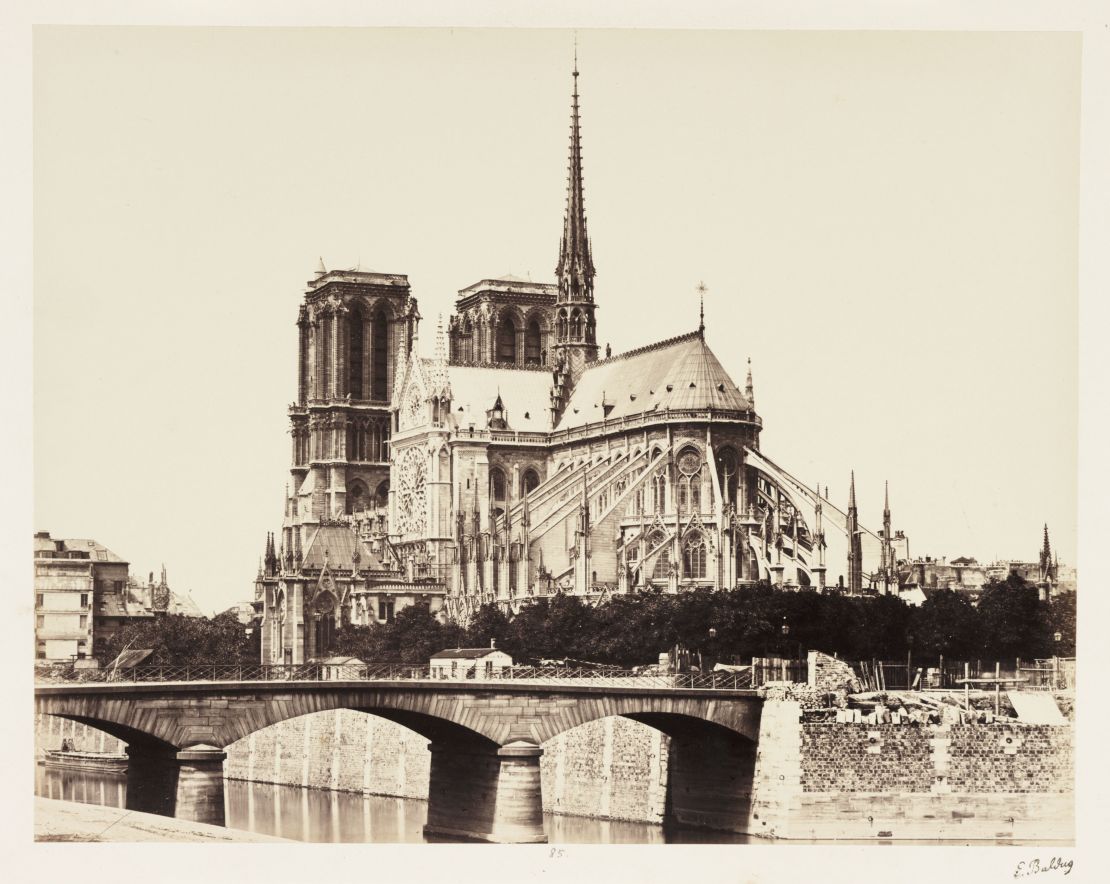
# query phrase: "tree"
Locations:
[[491, 624], [352, 640], [179, 640], [947, 624], [1014, 620], [1061, 619]]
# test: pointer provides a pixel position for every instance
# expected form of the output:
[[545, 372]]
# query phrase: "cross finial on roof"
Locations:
[[701, 308]]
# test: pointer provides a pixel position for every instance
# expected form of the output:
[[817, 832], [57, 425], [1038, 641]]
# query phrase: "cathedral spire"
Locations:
[[749, 390], [576, 267], [855, 546]]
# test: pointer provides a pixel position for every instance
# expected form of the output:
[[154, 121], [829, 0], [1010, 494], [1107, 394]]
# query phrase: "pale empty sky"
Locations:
[[886, 222]]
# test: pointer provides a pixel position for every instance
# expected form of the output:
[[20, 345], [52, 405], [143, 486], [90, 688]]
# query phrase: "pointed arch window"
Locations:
[[662, 570], [358, 498], [497, 485], [529, 481], [532, 343], [381, 496], [379, 356], [466, 342], [506, 340], [576, 325], [659, 493], [355, 352], [562, 325], [689, 493], [694, 557], [728, 469]]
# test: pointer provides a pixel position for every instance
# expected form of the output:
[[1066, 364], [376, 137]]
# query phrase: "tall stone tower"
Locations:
[[355, 327], [576, 327]]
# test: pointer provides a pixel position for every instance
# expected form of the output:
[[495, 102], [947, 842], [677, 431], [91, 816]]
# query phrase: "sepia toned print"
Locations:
[[545, 569]]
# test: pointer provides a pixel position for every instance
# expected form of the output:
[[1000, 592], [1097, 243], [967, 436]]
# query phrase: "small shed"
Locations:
[[470, 662], [341, 668]]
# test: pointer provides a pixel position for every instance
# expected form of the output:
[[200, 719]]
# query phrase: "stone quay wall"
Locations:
[[913, 781], [51, 730]]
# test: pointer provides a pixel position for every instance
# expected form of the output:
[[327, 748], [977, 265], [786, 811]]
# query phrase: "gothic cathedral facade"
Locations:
[[518, 462]]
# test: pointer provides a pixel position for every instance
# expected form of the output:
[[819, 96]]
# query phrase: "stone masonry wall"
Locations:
[[51, 730], [1011, 758], [614, 768], [909, 757], [958, 781], [865, 758], [344, 750]]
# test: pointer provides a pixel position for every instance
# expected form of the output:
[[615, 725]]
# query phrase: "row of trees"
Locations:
[[179, 640], [1009, 621]]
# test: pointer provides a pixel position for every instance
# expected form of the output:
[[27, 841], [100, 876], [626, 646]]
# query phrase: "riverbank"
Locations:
[[71, 821]]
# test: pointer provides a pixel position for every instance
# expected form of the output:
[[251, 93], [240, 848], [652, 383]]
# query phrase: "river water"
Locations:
[[320, 815]]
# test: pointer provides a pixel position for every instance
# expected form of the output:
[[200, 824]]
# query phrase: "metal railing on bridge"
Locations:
[[323, 672]]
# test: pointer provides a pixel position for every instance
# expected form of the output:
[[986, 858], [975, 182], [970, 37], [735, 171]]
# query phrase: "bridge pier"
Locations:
[[486, 795], [188, 784], [709, 783]]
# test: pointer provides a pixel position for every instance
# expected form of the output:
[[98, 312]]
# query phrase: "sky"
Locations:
[[886, 223]]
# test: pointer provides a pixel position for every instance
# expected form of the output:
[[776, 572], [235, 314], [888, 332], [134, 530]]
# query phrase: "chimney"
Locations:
[[492, 643]]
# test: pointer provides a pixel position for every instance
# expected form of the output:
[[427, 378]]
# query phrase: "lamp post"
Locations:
[[1057, 637]]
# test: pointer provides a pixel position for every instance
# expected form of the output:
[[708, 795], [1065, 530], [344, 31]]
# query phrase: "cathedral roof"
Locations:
[[526, 394], [340, 542], [678, 374]]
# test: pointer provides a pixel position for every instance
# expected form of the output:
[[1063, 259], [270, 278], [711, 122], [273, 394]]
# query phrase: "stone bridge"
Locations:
[[486, 741]]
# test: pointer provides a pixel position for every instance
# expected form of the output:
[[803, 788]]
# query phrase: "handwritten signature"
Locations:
[[1035, 867]]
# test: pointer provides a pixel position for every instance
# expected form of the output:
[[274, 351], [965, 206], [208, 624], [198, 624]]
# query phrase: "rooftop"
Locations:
[[465, 653], [358, 275], [680, 373], [47, 547], [339, 542], [512, 284], [526, 395]]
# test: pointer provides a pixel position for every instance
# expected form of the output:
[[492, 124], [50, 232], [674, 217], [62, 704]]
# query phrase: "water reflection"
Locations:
[[322, 816]]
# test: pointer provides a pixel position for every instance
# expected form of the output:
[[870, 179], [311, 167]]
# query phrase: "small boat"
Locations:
[[107, 762]]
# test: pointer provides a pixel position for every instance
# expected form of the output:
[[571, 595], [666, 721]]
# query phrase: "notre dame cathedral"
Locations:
[[517, 462]]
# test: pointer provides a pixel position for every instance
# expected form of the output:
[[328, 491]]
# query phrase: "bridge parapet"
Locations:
[[324, 672]]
